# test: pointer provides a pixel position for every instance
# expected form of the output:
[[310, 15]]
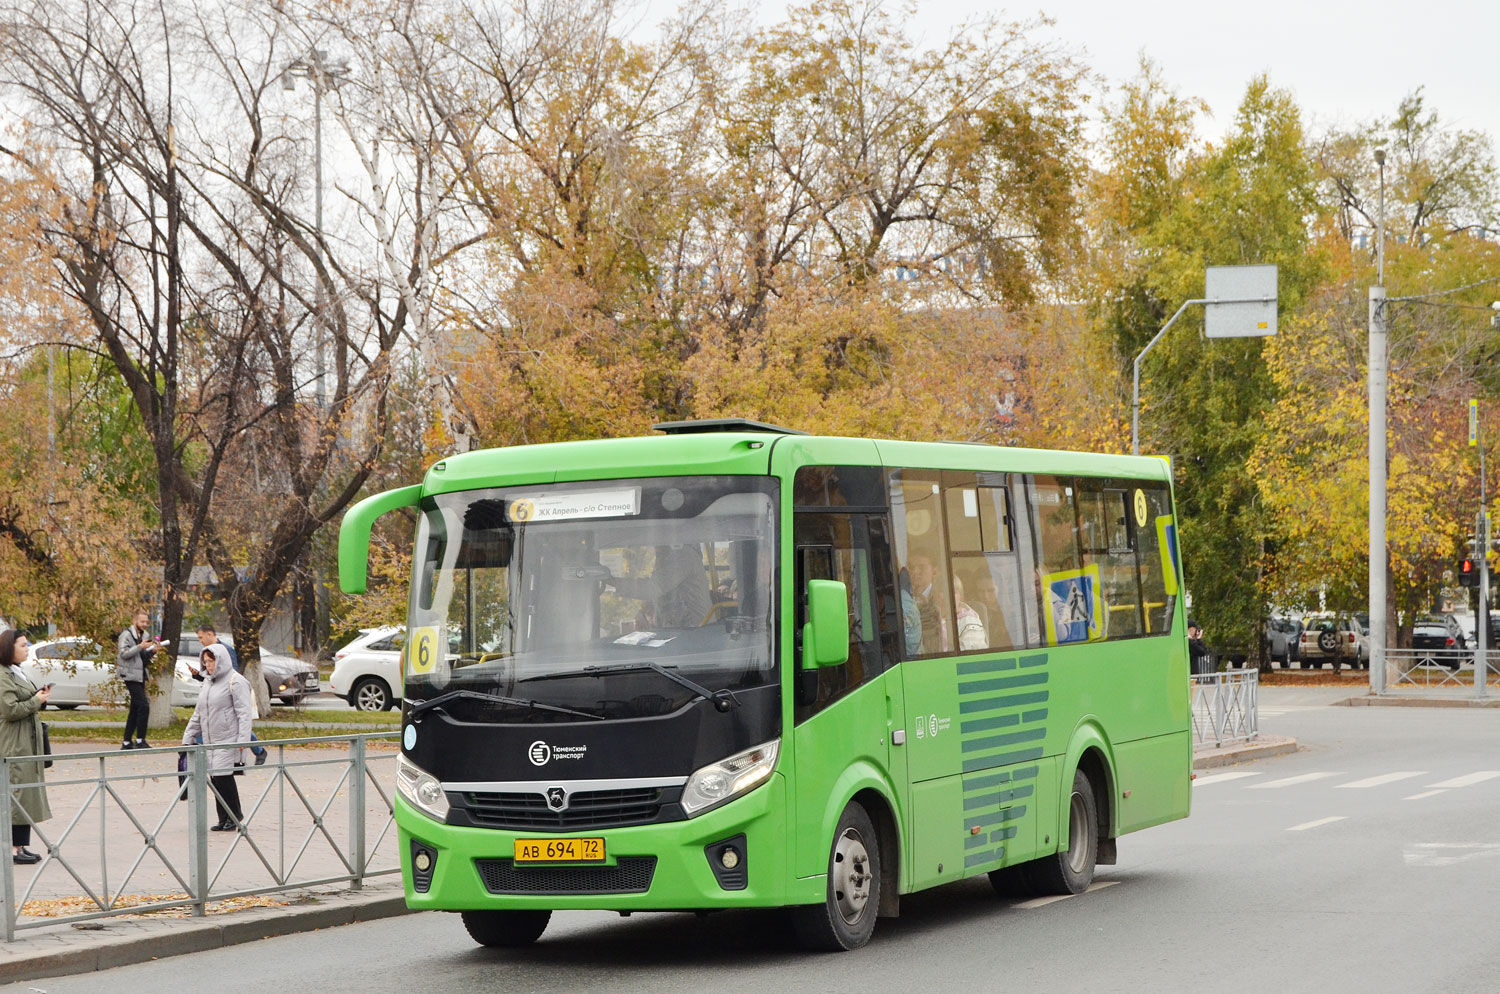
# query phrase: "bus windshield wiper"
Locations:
[[475, 695], [723, 700]]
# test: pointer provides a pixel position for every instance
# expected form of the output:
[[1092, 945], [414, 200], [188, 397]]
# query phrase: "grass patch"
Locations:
[[340, 717], [172, 734]]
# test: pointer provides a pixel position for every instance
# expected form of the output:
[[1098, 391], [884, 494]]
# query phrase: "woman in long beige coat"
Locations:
[[21, 735]]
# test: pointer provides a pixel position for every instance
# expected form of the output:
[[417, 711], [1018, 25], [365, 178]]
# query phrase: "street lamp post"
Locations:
[[1239, 302], [1377, 450], [323, 74]]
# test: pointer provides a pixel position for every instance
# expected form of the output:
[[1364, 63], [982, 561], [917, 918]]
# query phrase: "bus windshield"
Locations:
[[562, 601]]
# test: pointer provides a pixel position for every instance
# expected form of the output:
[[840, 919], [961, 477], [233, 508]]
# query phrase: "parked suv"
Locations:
[[1283, 640], [367, 671], [1334, 640]]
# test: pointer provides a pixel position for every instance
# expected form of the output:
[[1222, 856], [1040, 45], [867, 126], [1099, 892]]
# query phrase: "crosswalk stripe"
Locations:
[[1425, 793], [1314, 824], [1218, 777], [1291, 781], [1041, 902], [1379, 781], [1469, 780]]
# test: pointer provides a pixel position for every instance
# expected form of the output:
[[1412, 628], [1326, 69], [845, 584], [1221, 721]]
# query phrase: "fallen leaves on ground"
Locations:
[[63, 907]]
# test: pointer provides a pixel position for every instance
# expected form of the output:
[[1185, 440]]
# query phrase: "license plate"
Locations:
[[559, 850]]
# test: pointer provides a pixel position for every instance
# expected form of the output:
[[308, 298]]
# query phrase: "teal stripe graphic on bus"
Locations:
[[994, 801]]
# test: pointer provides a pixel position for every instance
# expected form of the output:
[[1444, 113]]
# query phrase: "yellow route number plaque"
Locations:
[[423, 652]]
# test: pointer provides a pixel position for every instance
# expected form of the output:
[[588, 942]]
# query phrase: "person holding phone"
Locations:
[[132, 663], [21, 735]]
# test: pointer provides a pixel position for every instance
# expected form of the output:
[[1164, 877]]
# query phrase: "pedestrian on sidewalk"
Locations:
[[21, 735], [132, 665], [1201, 660], [208, 637], [224, 712]]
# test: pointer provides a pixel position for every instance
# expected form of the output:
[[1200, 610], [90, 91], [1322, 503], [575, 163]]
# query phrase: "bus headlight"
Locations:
[[421, 788], [718, 782]]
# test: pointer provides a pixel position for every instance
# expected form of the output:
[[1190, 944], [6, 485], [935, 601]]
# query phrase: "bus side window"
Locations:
[[1105, 541], [922, 552], [835, 547], [1158, 569]]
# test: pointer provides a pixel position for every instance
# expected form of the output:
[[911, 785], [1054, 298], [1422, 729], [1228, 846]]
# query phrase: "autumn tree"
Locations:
[[182, 237]]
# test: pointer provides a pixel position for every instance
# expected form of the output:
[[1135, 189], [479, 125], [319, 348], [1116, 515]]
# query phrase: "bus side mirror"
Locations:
[[825, 637], [354, 534]]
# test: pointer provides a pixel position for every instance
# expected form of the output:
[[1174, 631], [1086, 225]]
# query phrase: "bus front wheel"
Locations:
[[846, 918], [505, 929]]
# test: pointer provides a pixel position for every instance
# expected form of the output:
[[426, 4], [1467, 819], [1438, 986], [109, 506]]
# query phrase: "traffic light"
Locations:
[[1468, 573]]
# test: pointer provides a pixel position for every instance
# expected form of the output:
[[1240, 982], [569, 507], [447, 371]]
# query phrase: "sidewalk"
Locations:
[[65, 950], [118, 831], [1263, 747]]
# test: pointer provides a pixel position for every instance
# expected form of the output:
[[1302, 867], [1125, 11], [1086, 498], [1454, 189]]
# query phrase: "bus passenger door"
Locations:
[[845, 715]]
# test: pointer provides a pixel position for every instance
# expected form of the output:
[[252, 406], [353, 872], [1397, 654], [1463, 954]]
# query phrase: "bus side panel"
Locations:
[[849, 734], [1156, 773], [976, 737]]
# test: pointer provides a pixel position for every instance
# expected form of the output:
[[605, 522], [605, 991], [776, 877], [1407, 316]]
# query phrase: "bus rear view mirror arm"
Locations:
[[354, 534], [825, 639]]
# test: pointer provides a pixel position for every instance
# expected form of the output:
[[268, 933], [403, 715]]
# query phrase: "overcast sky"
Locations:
[[1344, 62]]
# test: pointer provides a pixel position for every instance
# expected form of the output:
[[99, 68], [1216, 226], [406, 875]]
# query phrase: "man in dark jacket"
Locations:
[[1198, 656], [132, 662]]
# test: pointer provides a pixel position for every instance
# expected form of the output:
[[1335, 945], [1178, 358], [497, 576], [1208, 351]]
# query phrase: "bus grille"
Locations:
[[586, 809], [631, 875]]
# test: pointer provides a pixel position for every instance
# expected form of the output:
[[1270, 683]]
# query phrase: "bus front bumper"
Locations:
[[682, 877]]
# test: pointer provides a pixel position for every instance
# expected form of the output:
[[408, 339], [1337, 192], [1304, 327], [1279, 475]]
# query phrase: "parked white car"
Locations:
[[69, 664], [288, 679], [367, 671]]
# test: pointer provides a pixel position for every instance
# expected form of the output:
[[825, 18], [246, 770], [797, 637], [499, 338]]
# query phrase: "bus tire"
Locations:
[[1013, 881], [1072, 870], [505, 929], [846, 918]]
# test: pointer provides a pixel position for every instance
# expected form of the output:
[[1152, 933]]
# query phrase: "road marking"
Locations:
[[1447, 853], [1314, 824], [1217, 777], [1039, 902], [1470, 779], [1290, 781], [1379, 781], [1425, 793]]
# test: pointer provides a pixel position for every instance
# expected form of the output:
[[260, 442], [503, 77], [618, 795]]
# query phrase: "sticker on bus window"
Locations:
[[1075, 607], [1166, 542], [422, 652]]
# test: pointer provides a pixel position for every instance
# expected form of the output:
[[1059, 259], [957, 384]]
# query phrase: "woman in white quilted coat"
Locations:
[[225, 708]]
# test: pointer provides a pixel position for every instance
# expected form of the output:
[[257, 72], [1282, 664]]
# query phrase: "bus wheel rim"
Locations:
[[1077, 834], [851, 876]]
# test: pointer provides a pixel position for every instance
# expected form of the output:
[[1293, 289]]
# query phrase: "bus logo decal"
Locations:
[[557, 798], [539, 753]]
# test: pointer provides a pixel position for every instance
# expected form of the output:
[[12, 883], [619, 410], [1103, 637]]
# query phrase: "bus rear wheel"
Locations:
[[505, 929], [1072, 870], [846, 918]]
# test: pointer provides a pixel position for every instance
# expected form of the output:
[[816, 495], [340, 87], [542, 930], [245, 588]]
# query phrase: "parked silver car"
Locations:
[[288, 679]]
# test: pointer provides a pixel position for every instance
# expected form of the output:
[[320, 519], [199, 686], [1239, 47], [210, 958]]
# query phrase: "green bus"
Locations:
[[735, 666]]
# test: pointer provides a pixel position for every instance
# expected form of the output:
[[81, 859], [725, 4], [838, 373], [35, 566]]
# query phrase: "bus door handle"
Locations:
[[898, 737]]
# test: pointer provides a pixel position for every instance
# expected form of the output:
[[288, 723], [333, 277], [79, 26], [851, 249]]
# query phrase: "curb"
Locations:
[[1372, 701], [1265, 747], [64, 951]]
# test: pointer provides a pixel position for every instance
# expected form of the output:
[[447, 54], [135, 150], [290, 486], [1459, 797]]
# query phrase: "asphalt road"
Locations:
[[1365, 863]]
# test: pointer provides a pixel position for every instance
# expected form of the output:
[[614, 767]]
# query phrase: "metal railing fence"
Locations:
[[1225, 707], [1432, 669], [130, 819]]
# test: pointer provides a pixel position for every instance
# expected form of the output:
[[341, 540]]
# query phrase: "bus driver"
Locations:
[[677, 588]]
